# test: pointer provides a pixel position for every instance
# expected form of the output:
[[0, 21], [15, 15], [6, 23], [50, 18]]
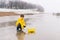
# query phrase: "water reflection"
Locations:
[[20, 35]]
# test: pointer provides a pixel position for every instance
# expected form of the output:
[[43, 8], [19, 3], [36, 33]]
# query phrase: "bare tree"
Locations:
[[20, 5]]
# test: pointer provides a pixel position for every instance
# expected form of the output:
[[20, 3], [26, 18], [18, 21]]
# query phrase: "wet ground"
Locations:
[[47, 28]]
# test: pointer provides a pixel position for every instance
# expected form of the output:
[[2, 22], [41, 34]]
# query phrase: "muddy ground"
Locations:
[[7, 14]]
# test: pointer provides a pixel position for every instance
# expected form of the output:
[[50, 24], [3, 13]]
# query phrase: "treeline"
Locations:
[[20, 5]]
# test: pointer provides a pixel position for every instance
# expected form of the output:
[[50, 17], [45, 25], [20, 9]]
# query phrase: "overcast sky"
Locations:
[[49, 5]]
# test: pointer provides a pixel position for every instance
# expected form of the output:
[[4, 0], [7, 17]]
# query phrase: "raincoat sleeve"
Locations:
[[24, 24]]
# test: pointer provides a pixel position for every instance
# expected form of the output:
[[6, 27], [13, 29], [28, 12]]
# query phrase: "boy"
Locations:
[[20, 23]]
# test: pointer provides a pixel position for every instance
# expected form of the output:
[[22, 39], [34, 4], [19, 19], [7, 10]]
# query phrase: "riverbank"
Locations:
[[7, 14]]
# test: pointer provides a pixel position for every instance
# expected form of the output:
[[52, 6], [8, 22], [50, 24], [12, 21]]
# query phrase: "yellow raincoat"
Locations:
[[21, 21]]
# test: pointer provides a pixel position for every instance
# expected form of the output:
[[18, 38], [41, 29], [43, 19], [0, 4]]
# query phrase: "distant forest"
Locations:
[[20, 5]]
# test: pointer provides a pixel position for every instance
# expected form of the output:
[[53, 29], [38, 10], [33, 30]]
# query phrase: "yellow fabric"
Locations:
[[31, 30], [21, 21]]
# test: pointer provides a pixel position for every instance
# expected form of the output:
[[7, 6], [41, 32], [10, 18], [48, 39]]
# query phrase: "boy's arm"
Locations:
[[24, 23]]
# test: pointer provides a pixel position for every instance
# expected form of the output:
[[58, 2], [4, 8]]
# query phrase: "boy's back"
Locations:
[[21, 21]]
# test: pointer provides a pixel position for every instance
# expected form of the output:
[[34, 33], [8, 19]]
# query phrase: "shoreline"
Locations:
[[11, 14]]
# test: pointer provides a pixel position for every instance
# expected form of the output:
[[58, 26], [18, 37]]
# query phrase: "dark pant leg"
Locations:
[[19, 27]]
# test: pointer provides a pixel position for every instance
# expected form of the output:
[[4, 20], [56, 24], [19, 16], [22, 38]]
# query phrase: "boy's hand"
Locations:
[[24, 26]]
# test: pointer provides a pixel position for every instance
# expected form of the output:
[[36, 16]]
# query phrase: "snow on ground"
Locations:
[[20, 11]]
